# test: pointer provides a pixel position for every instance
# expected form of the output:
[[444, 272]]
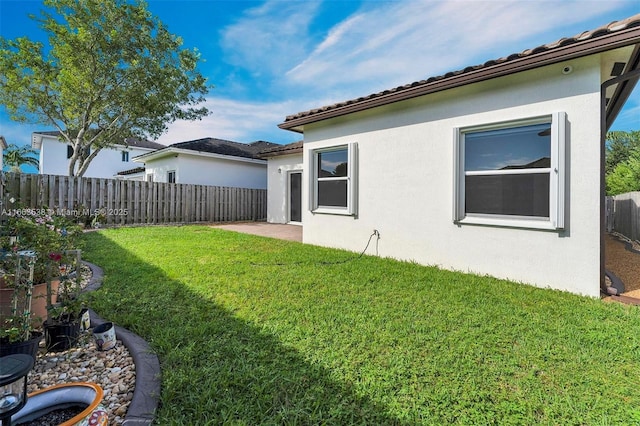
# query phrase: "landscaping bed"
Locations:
[[624, 263]]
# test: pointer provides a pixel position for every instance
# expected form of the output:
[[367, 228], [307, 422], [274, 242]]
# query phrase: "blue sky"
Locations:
[[269, 59]]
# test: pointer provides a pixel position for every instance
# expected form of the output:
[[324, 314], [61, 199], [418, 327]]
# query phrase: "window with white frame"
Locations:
[[171, 176], [125, 156], [512, 173], [333, 187]]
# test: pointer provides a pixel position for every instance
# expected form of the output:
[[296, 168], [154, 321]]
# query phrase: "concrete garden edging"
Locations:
[[144, 404]]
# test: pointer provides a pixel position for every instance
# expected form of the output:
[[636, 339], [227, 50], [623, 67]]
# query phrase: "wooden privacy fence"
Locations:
[[128, 202], [623, 214]]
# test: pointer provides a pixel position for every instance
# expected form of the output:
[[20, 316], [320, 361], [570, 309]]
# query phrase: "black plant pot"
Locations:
[[28, 347], [60, 335]]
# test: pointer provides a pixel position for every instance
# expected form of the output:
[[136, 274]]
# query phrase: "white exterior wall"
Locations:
[[278, 169], [203, 170], [405, 180], [108, 162]]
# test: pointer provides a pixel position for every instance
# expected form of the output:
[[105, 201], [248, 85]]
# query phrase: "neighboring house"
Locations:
[[209, 161], [55, 154], [3, 146], [284, 180], [137, 173], [494, 169]]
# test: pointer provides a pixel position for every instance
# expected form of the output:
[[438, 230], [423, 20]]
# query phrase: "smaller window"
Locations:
[[69, 151], [171, 176], [125, 156], [333, 186], [150, 177]]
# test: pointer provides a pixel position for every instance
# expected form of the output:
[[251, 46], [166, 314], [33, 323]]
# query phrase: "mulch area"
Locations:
[[624, 264]]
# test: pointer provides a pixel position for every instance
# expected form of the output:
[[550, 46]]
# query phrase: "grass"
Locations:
[[252, 330]]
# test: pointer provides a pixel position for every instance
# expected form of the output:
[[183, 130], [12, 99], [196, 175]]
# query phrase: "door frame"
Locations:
[[289, 174]]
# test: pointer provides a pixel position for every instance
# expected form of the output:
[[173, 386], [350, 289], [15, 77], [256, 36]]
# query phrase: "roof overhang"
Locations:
[[616, 87], [575, 48], [290, 149], [174, 152]]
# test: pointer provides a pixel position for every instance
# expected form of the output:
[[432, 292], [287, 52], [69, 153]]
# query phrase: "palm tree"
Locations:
[[15, 156]]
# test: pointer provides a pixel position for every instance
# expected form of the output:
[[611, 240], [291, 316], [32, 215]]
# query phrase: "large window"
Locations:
[[333, 185], [511, 174]]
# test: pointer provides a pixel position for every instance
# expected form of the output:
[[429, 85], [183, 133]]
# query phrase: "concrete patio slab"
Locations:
[[264, 229]]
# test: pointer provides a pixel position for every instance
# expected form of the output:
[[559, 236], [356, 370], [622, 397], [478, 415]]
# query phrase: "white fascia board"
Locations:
[[144, 158]]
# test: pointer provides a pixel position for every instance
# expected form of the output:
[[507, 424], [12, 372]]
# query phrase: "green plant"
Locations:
[[70, 299], [110, 70], [17, 271], [42, 231], [16, 156]]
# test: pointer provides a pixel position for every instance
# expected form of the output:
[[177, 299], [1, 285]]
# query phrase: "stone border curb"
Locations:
[[628, 245], [147, 391]]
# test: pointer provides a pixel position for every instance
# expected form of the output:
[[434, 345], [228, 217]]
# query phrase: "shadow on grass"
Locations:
[[217, 368]]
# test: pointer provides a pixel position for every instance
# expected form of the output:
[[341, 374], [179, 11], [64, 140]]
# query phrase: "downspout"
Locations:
[[604, 127]]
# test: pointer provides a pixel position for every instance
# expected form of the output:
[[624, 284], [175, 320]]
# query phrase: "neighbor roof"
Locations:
[[614, 35], [130, 142], [213, 146], [292, 148], [133, 171], [225, 147]]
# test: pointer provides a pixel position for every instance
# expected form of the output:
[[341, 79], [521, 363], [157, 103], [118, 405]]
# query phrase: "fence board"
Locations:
[[131, 202], [625, 214]]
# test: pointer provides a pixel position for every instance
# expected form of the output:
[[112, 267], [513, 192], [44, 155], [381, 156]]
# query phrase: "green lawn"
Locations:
[[252, 330]]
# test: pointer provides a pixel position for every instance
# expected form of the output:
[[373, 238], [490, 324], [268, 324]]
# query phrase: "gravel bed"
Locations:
[[113, 370], [624, 263]]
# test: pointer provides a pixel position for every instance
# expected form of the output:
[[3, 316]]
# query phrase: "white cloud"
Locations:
[[393, 43], [18, 133], [237, 121], [266, 38]]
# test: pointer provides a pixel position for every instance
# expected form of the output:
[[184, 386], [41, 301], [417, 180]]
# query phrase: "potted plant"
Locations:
[[50, 236], [63, 324], [17, 335]]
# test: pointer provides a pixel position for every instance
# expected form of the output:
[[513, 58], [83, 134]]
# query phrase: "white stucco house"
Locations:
[[3, 146], [209, 161], [495, 169], [55, 154], [284, 183]]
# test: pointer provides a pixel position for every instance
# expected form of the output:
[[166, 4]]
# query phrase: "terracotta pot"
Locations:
[[38, 301], [81, 394]]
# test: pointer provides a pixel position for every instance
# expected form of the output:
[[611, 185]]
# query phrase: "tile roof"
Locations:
[[225, 147], [143, 143], [607, 37], [132, 171], [292, 148]]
